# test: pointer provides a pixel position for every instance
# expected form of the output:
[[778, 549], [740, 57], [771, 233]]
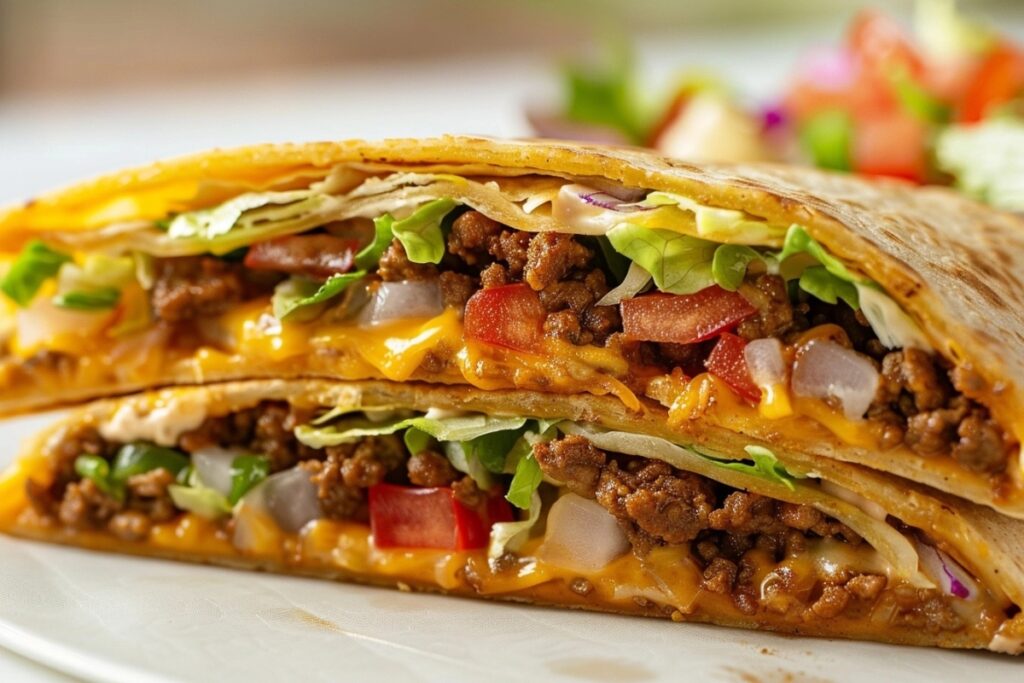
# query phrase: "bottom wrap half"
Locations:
[[521, 496]]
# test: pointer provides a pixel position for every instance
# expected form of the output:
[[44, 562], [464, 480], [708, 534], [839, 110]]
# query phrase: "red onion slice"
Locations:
[[589, 211], [947, 573], [824, 370]]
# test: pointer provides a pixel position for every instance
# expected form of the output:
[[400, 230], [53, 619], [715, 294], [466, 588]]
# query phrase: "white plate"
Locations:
[[127, 619]]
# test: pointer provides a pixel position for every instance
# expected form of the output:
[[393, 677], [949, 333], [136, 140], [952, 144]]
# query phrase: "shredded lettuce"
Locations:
[[298, 299], [510, 536], [211, 223], [721, 225], [461, 428], [421, 233], [766, 466], [679, 264], [196, 497], [36, 264], [97, 469]]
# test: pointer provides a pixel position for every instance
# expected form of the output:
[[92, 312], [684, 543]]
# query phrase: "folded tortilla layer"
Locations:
[[951, 265], [788, 543]]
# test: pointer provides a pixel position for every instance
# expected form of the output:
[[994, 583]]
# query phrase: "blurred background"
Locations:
[[90, 86]]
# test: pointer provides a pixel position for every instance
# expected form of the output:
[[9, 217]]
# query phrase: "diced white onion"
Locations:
[[581, 535], [824, 369], [291, 498], [406, 299], [765, 362], [288, 498], [895, 329], [213, 465], [42, 321]]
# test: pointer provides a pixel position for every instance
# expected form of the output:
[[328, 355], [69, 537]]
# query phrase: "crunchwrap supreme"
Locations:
[[866, 322], [521, 496]]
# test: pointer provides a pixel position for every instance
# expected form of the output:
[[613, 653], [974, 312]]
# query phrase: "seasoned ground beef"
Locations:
[[918, 404], [429, 468], [766, 293], [657, 504], [267, 429], [472, 237], [192, 286]]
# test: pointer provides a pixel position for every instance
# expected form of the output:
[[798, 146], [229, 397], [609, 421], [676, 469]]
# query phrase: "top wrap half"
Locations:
[[869, 322]]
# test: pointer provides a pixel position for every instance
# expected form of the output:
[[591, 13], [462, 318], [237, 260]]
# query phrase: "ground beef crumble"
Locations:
[[657, 504]]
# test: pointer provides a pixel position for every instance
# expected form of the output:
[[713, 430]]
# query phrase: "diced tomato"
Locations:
[[315, 256], [728, 363], [510, 316], [997, 81], [683, 318], [880, 44], [891, 145], [412, 517]]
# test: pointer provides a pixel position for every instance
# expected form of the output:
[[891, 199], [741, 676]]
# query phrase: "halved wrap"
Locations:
[[521, 496], [867, 322]]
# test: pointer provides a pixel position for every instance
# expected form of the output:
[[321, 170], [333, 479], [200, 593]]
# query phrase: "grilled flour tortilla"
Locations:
[[521, 496], [866, 322]]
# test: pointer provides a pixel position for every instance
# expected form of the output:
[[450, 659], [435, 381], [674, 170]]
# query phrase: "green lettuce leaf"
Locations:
[[369, 256], [298, 299], [765, 466], [247, 471], [97, 469], [141, 457], [492, 449], [100, 299], [421, 233], [606, 97], [525, 482], [679, 264], [916, 99], [194, 496], [827, 137], [36, 264], [510, 536], [468, 463], [729, 265], [821, 284], [460, 428], [721, 225], [210, 223]]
